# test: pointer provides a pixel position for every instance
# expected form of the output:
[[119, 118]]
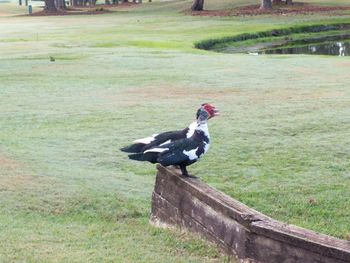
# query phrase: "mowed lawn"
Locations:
[[67, 194]]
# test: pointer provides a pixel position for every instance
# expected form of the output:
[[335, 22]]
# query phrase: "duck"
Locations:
[[185, 151], [143, 144]]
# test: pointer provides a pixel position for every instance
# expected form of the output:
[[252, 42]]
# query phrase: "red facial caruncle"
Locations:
[[210, 109]]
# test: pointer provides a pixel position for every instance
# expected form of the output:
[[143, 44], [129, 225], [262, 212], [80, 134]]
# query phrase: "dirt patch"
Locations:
[[131, 97], [150, 93], [211, 13], [289, 95], [8, 163], [16, 182], [96, 10], [345, 64], [71, 11], [13, 175], [135, 97], [174, 92], [253, 10]]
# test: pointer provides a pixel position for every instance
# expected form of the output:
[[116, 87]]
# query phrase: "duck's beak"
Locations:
[[216, 112]]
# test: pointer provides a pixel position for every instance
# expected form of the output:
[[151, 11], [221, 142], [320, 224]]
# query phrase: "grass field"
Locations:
[[281, 144]]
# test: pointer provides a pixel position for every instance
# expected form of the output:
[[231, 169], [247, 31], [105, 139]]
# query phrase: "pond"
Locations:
[[338, 48], [333, 40]]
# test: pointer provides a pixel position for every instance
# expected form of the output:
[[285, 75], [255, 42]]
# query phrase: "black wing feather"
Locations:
[[158, 140], [162, 138], [175, 155], [133, 148]]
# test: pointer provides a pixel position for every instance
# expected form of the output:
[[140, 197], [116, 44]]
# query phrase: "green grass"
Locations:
[[281, 144], [302, 33]]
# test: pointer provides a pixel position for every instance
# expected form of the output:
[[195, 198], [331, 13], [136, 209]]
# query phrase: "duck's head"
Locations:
[[206, 111]]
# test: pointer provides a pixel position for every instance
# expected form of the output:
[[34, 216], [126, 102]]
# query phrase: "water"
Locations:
[[340, 48]]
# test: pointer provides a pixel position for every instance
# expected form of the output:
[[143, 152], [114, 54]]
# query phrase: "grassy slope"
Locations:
[[281, 144]]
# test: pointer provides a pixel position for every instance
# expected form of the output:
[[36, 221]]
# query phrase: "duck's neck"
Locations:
[[202, 129], [190, 129]]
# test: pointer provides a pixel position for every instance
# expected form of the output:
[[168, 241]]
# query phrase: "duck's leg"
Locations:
[[184, 171]]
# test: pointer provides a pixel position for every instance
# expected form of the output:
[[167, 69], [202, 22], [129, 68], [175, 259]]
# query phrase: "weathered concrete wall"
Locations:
[[237, 229]]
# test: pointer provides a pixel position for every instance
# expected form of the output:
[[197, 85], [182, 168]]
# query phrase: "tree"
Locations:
[[60, 4], [289, 2], [276, 2], [265, 4], [50, 6], [197, 5]]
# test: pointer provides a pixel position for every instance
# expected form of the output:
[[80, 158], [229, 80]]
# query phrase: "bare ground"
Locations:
[[12, 175], [298, 8], [85, 10]]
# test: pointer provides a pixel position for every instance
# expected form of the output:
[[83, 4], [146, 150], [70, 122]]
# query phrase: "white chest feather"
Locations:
[[191, 129], [204, 128], [191, 154]]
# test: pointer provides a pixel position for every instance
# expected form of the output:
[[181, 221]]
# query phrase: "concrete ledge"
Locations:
[[235, 228]]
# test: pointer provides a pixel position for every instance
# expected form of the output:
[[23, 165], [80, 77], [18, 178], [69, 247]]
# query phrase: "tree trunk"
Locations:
[[276, 2], [289, 2], [266, 4], [60, 4], [50, 6], [197, 5]]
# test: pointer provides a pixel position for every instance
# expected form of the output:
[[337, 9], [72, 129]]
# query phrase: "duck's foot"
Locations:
[[185, 173], [191, 176]]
